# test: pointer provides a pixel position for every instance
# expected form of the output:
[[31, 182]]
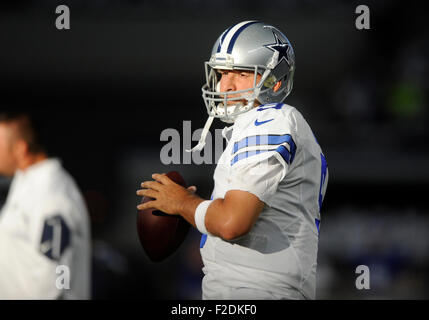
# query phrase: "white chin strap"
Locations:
[[202, 141]]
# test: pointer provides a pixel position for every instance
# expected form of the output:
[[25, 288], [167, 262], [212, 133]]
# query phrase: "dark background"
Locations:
[[127, 70]]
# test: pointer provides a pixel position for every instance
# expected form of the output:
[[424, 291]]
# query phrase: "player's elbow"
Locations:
[[233, 229], [233, 218]]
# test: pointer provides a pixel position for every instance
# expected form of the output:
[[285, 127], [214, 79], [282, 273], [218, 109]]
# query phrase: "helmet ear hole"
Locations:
[[277, 86], [270, 81]]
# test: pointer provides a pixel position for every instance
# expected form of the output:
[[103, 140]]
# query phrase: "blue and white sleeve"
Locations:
[[259, 178], [260, 162]]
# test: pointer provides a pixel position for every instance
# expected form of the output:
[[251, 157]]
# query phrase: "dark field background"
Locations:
[[127, 70]]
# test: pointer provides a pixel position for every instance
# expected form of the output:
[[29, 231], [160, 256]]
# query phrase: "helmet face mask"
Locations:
[[253, 47], [228, 104]]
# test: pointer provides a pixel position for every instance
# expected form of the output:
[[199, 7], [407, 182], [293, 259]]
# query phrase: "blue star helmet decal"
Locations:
[[280, 46]]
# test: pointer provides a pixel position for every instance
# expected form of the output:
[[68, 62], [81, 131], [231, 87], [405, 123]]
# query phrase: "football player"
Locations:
[[44, 223], [261, 226]]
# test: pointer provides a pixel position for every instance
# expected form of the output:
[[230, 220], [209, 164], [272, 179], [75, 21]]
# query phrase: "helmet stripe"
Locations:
[[223, 38], [230, 33], [236, 34]]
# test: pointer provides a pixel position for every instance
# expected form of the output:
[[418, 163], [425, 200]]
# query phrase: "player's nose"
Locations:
[[227, 83]]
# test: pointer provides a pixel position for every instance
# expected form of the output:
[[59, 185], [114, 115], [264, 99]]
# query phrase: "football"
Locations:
[[161, 234]]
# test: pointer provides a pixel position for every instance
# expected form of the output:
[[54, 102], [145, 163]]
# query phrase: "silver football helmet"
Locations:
[[250, 46]]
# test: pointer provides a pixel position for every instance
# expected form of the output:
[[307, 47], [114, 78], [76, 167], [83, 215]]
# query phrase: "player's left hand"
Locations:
[[169, 197]]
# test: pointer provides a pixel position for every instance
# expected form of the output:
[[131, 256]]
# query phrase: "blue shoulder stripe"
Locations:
[[261, 140], [270, 106], [280, 149]]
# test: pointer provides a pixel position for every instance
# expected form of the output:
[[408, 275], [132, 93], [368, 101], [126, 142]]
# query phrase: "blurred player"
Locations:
[[261, 226], [44, 222]]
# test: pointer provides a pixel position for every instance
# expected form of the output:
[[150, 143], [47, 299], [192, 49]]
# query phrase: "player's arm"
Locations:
[[29, 266], [234, 215], [25, 273], [228, 218]]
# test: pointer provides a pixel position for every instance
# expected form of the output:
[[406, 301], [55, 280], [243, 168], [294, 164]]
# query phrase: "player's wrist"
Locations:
[[200, 216], [186, 207]]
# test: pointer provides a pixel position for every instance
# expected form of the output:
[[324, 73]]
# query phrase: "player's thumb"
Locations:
[[192, 189]]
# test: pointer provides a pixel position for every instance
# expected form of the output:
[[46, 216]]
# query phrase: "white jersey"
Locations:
[[273, 154], [44, 236]]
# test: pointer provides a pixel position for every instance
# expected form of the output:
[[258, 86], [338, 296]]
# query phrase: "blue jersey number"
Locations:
[[55, 237], [322, 184], [322, 179]]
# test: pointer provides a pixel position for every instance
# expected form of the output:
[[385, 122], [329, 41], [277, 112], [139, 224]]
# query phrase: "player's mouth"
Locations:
[[233, 102]]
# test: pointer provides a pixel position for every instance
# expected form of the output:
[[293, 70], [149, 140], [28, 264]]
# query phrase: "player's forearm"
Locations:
[[227, 218], [218, 219]]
